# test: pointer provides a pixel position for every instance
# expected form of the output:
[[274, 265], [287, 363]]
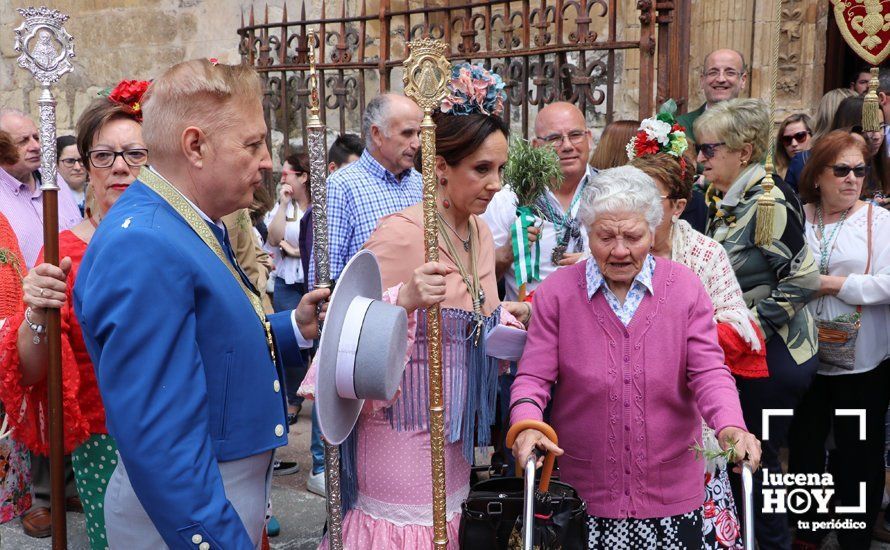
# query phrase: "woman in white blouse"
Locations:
[[284, 235], [855, 273]]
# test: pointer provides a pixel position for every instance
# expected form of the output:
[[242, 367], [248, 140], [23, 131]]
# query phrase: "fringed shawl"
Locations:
[[469, 382]]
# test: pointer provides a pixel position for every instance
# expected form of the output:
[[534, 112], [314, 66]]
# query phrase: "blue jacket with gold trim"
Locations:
[[183, 365]]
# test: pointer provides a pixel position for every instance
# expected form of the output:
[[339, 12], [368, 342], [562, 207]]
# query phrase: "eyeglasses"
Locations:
[[708, 149], [69, 163], [799, 137], [728, 73], [841, 170], [103, 158], [292, 173], [575, 137]]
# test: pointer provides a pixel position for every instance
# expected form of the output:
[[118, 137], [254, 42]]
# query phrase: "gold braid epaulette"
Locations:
[[175, 199]]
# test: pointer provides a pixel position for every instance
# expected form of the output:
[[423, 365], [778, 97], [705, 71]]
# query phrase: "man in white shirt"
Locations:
[[563, 240]]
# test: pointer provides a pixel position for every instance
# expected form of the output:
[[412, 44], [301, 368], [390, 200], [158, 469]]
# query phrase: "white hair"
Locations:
[[376, 114], [622, 189], [10, 111]]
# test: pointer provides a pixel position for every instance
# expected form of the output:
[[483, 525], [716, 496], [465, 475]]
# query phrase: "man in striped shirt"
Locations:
[[381, 182], [21, 200]]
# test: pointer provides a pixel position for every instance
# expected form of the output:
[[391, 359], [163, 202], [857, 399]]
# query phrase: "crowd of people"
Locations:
[[683, 293]]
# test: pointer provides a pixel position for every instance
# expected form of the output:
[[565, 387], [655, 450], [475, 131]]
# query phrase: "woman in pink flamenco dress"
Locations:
[[386, 482]]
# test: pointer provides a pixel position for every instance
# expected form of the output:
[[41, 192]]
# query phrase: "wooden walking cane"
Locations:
[[318, 171], [427, 73], [46, 51]]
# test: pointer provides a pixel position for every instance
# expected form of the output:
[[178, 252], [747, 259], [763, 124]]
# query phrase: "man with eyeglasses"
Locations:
[[723, 76], [21, 200], [560, 125]]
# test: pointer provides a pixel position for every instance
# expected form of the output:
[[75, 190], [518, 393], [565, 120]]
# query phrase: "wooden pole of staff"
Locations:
[[46, 51], [427, 73]]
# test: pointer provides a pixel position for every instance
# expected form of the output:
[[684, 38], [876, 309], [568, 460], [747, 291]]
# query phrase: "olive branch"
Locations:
[[729, 454], [531, 171]]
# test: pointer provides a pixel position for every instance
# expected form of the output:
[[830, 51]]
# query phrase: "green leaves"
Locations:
[[531, 171], [710, 454]]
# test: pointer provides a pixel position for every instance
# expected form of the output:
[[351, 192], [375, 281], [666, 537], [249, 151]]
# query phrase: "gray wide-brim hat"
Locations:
[[361, 354]]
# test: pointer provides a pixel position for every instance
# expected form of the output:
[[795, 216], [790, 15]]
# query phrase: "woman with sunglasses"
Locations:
[[778, 275], [847, 237], [793, 137], [290, 284], [109, 135]]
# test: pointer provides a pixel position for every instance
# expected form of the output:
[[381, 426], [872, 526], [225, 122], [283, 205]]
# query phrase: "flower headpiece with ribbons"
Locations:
[[128, 94], [474, 89], [661, 134]]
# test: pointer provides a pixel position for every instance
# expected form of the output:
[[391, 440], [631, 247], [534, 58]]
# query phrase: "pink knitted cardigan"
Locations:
[[628, 401]]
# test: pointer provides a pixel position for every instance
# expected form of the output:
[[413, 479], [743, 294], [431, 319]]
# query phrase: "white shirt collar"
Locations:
[[200, 212]]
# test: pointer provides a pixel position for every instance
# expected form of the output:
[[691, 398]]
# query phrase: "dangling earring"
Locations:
[[446, 203], [443, 181], [674, 219]]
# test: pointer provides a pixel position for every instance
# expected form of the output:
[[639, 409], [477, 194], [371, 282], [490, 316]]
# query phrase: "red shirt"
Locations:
[[27, 405]]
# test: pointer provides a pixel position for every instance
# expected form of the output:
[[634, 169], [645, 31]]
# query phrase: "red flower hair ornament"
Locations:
[[128, 94]]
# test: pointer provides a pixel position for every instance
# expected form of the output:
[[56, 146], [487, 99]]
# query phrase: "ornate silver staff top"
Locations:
[[46, 51]]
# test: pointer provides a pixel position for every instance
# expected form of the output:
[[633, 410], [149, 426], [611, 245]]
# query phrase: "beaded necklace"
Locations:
[[826, 246], [474, 287]]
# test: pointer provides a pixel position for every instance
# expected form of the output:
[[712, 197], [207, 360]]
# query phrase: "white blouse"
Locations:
[[286, 267], [849, 255]]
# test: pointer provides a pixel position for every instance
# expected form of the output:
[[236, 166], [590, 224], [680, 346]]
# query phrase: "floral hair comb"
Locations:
[[660, 134], [474, 89], [128, 94]]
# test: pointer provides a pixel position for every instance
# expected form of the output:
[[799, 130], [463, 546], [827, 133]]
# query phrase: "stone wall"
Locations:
[[117, 39]]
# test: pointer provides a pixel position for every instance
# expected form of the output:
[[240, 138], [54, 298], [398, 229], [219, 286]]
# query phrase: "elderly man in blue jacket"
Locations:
[[189, 366]]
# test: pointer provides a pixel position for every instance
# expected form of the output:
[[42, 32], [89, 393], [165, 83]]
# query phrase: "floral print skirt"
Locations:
[[15, 480], [720, 521]]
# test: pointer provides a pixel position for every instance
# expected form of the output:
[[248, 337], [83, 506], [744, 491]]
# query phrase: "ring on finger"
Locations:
[[42, 292]]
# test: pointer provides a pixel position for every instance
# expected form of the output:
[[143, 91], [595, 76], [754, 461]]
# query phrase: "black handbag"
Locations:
[[492, 515]]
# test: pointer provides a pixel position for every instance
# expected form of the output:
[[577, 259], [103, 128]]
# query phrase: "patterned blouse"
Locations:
[[641, 283], [777, 280]]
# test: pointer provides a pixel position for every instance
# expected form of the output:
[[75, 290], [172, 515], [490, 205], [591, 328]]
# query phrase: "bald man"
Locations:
[[563, 241], [723, 76]]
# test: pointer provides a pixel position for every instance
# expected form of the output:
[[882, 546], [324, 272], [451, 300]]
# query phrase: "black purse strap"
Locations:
[[525, 400]]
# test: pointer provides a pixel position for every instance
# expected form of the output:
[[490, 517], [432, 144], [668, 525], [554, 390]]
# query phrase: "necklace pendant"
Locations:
[[481, 297], [558, 253], [466, 245], [36, 339]]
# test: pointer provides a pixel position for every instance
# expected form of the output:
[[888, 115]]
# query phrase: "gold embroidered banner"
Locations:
[[865, 25]]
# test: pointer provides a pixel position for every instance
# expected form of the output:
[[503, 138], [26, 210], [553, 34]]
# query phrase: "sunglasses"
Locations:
[[841, 170], [799, 137], [708, 149]]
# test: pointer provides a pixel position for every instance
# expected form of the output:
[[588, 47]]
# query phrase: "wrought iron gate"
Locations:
[[545, 50]]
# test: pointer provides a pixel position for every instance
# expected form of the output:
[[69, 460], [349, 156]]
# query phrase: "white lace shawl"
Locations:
[[708, 259]]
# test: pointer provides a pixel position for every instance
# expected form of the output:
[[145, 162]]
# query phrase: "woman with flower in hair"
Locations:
[[672, 170], [386, 480], [109, 138]]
